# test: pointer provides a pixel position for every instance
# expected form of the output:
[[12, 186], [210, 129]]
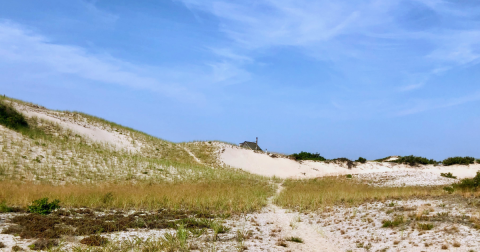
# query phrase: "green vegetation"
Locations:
[[397, 221], [382, 159], [94, 240], [10, 118], [448, 189], [459, 161], [43, 244], [294, 239], [414, 160], [468, 183], [85, 222], [348, 176], [307, 156], [43, 207], [4, 208], [350, 163], [448, 175], [361, 160], [81, 172], [425, 226]]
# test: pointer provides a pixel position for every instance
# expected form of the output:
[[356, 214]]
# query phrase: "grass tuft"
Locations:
[[294, 239], [448, 175], [397, 221], [425, 226]]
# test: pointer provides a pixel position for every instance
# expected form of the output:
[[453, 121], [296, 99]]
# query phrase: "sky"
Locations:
[[368, 78]]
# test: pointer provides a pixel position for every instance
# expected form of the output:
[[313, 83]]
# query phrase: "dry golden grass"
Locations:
[[215, 197], [305, 195], [204, 151]]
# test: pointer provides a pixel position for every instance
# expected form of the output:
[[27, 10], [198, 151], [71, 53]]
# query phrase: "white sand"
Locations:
[[263, 164], [81, 126]]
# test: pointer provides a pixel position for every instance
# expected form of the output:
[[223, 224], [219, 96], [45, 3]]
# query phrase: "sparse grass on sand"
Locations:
[[44, 159], [237, 196], [312, 194]]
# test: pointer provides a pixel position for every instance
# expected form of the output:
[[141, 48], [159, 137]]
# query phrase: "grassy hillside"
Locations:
[[37, 158]]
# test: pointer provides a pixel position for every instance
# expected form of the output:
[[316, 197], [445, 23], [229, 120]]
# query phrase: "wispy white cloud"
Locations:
[[457, 47], [284, 22], [411, 87], [431, 104], [375, 34], [103, 15], [36, 55]]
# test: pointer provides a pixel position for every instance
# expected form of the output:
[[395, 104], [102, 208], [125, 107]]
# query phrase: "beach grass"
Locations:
[[48, 160], [232, 197], [313, 194]]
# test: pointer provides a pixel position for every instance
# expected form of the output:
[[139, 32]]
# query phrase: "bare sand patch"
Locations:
[[81, 126], [281, 167]]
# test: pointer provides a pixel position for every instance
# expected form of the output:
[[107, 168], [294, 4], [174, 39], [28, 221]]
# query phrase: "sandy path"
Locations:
[[192, 155], [313, 240]]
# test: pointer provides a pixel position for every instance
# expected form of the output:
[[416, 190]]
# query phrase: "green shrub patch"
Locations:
[[414, 160], [43, 207], [11, 118], [458, 160], [448, 175], [468, 183], [307, 156]]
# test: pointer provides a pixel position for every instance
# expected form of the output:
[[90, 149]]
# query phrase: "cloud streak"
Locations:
[[36, 55], [422, 38]]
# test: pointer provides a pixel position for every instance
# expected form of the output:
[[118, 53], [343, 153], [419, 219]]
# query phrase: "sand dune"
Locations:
[[82, 127], [264, 164]]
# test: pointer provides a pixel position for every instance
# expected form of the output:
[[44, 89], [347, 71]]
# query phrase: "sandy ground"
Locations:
[[337, 228], [264, 230], [264, 164], [82, 127]]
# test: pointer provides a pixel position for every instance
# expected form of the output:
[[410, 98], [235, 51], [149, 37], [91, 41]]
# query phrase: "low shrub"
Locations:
[[458, 160], [349, 176], [43, 244], [11, 118], [17, 248], [350, 163], [307, 156], [4, 208], [94, 240], [361, 160], [382, 159], [468, 183], [448, 175], [449, 189], [43, 207], [414, 160]]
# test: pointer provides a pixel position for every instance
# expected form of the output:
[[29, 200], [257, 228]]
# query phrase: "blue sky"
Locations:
[[354, 78]]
